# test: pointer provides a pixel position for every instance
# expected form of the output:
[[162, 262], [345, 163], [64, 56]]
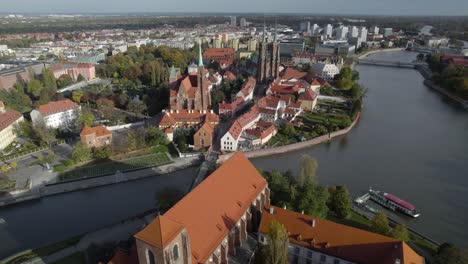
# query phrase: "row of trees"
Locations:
[[448, 75]]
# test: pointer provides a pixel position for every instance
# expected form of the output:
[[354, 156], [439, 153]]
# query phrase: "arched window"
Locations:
[[150, 257], [175, 251]]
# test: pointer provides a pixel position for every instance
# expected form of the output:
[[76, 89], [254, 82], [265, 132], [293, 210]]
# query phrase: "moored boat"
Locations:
[[393, 203]]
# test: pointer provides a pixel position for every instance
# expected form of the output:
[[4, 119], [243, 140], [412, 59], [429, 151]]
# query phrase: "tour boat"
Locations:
[[393, 203]]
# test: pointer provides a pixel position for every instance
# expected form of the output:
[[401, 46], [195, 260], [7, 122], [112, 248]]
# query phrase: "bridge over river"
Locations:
[[397, 64]]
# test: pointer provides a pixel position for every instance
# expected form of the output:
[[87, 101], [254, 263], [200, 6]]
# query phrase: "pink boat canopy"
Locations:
[[400, 202]]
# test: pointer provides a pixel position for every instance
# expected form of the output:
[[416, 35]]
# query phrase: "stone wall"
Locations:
[[292, 147]]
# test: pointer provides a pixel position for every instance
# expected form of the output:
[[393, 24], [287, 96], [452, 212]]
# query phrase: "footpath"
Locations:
[[87, 183]]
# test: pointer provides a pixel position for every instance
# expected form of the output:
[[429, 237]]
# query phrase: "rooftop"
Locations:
[[57, 107]]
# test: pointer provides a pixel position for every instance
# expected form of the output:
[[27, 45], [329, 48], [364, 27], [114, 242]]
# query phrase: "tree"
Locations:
[[380, 224], [136, 139], [13, 165], [340, 202], [307, 169], [76, 95], [312, 199], [105, 107], [64, 80], [86, 118], [80, 78], [103, 153], [34, 88], [155, 136], [276, 249], [81, 153], [48, 79], [449, 254], [400, 232], [279, 187], [136, 106], [4, 168], [44, 134]]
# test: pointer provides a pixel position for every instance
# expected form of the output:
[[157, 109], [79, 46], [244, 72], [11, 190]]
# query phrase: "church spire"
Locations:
[[264, 29], [276, 30], [200, 57]]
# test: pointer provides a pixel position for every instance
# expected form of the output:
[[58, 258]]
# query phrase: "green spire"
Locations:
[[200, 57]]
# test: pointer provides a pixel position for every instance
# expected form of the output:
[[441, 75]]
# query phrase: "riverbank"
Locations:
[[293, 147], [427, 74], [95, 182], [365, 54]]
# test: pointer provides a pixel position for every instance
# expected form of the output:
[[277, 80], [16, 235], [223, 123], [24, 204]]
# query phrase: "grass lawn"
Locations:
[[111, 167], [77, 258]]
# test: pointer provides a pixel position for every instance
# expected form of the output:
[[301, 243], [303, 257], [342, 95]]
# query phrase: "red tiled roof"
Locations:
[[341, 241], [160, 232], [99, 131], [8, 118], [57, 107], [122, 257], [290, 73], [308, 95], [212, 209]]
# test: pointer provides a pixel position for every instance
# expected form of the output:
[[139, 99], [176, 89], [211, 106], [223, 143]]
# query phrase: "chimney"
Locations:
[[313, 223], [272, 210]]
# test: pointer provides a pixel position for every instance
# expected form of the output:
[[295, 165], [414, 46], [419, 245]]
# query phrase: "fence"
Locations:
[[30, 151]]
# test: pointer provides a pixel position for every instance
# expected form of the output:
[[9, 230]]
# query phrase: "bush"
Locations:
[[160, 149], [60, 168], [68, 163]]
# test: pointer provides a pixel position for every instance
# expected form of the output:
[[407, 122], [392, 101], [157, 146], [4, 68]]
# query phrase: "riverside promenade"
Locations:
[[295, 146], [93, 182]]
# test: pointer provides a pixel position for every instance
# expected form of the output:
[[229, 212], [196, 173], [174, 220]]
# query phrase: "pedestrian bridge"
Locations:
[[397, 64]]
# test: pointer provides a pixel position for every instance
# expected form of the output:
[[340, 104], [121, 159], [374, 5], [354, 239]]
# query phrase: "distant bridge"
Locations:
[[397, 64]]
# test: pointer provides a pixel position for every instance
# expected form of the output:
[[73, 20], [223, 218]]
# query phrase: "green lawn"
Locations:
[[111, 167]]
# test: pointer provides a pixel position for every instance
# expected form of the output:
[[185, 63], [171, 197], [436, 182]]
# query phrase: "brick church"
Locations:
[[268, 59]]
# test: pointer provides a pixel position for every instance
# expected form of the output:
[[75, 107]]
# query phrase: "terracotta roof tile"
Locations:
[[8, 118], [99, 131], [57, 107], [160, 232], [342, 241]]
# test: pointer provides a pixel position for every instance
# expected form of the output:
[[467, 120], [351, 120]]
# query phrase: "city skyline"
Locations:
[[359, 7]]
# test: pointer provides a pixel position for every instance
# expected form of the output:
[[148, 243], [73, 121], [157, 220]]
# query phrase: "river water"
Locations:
[[410, 142], [54, 218]]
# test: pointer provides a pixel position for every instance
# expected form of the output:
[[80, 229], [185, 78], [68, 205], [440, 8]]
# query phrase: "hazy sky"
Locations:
[[370, 7]]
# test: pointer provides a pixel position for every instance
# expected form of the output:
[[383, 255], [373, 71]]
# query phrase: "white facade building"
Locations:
[[61, 114], [328, 30], [8, 120], [341, 32], [315, 29], [363, 34], [325, 71], [354, 32]]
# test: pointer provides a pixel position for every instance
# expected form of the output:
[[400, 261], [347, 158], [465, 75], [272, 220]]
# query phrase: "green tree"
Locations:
[[307, 169], [86, 118], [105, 107], [449, 254], [340, 202], [80, 78], [64, 81], [312, 199], [279, 187], [81, 153], [44, 134], [4, 168], [136, 106], [76, 95], [48, 79], [400, 232], [103, 153], [380, 224], [155, 136], [34, 88], [13, 165], [276, 249]]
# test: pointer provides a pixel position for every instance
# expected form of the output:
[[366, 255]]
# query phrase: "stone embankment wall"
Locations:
[[292, 147]]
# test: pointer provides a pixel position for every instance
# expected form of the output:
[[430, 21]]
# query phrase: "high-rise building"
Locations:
[[268, 59], [388, 32], [375, 30], [252, 44], [304, 26], [315, 29], [342, 32], [233, 21], [354, 32], [328, 30], [234, 43], [363, 34], [243, 22]]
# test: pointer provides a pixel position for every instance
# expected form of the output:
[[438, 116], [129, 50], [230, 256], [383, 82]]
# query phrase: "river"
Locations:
[[51, 219], [410, 141]]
